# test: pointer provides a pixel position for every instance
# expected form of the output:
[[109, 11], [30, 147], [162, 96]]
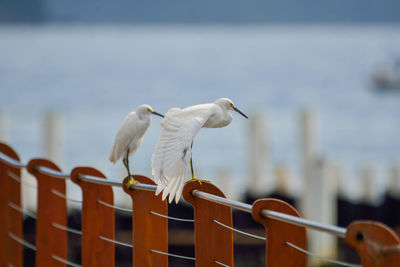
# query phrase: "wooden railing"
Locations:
[[285, 230]]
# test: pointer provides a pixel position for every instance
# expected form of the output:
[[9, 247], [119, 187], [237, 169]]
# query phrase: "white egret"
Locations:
[[173, 150], [130, 136]]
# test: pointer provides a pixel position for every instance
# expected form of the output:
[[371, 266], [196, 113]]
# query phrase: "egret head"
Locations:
[[228, 104], [146, 109]]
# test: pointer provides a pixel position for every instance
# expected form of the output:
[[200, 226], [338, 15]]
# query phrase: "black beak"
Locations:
[[238, 111], [158, 114]]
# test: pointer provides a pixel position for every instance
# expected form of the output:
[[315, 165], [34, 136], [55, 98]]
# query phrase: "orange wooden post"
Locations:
[[374, 242], [213, 242], [149, 231], [277, 233], [51, 209], [97, 219], [11, 252]]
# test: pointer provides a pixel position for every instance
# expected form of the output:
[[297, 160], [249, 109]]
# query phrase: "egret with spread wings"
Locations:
[[174, 148]]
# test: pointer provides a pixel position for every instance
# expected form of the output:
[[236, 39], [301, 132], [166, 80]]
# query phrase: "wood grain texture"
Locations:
[[148, 230], [10, 219], [97, 220], [372, 240], [213, 242], [50, 209], [277, 233]]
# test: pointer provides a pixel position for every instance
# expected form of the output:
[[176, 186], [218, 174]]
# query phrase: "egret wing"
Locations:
[[124, 136], [173, 150]]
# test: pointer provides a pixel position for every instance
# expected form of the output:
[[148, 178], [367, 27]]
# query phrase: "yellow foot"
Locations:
[[131, 181], [198, 180]]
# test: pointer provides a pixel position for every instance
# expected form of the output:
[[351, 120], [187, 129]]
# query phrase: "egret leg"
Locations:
[[131, 181], [192, 171]]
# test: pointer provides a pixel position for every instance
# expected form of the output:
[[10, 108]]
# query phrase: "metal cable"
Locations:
[[14, 176], [18, 179], [65, 261], [171, 218], [21, 241], [323, 258], [53, 173], [388, 249], [18, 208], [331, 229], [220, 263], [58, 193], [65, 228], [172, 255], [238, 231], [114, 207], [115, 242], [10, 161]]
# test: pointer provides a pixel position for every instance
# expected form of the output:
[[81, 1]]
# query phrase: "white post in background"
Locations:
[[261, 181], [393, 187], [225, 182], [308, 159], [369, 191], [3, 127], [53, 137], [319, 197]]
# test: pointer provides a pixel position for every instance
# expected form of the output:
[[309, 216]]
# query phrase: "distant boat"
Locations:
[[387, 78]]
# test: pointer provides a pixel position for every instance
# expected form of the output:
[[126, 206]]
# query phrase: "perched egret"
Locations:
[[130, 136], [173, 150]]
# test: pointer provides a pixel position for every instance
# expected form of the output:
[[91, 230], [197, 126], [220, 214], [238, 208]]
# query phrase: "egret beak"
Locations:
[[238, 111], [156, 113]]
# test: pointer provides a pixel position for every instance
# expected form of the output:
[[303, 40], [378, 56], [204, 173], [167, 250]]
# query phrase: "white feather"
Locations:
[[173, 150]]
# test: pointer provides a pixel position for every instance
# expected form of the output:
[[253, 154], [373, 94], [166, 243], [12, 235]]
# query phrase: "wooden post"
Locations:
[[149, 231], [97, 219], [277, 233], [11, 252], [374, 242], [213, 242], [50, 209]]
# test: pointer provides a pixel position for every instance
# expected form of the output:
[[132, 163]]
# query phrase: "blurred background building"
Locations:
[[320, 81]]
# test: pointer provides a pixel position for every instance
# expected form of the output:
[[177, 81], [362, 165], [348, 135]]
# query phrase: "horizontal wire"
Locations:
[[18, 179], [18, 208], [65, 228], [21, 241], [14, 176], [238, 231], [171, 218], [115, 241], [388, 249], [114, 207], [58, 193], [172, 255], [65, 261], [220, 263], [323, 258]]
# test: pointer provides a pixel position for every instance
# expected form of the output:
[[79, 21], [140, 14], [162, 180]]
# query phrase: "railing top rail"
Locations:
[[52, 172], [334, 230], [10, 161], [331, 229]]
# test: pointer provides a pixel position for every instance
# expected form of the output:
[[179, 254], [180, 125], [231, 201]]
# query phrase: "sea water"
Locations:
[[94, 75]]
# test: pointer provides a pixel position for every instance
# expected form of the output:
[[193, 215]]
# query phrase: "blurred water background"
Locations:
[[93, 75]]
